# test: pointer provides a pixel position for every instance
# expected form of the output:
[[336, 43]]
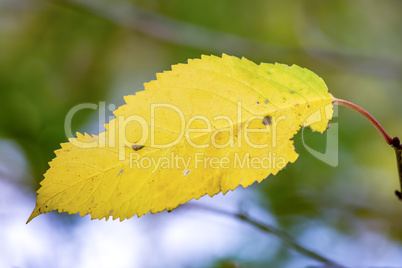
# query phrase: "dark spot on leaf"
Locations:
[[266, 101], [137, 147], [258, 102], [292, 91], [267, 120]]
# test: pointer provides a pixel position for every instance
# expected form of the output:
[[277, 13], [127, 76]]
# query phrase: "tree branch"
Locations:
[[285, 238], [174, 31], [181, 33]]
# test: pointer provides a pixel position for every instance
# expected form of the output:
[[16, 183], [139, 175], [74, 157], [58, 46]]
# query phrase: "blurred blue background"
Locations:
[[57, 54]]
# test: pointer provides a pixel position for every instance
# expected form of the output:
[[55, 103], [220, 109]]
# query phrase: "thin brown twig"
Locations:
[[181, 33], [266, 228]]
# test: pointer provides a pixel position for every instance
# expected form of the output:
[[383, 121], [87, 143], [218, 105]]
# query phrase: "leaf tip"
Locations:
[[33, 215]]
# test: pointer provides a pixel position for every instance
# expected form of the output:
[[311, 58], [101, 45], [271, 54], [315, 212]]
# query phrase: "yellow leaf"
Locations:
[[204, 127]]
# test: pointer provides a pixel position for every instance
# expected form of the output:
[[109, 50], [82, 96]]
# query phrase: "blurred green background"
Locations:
[[57, 54]]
